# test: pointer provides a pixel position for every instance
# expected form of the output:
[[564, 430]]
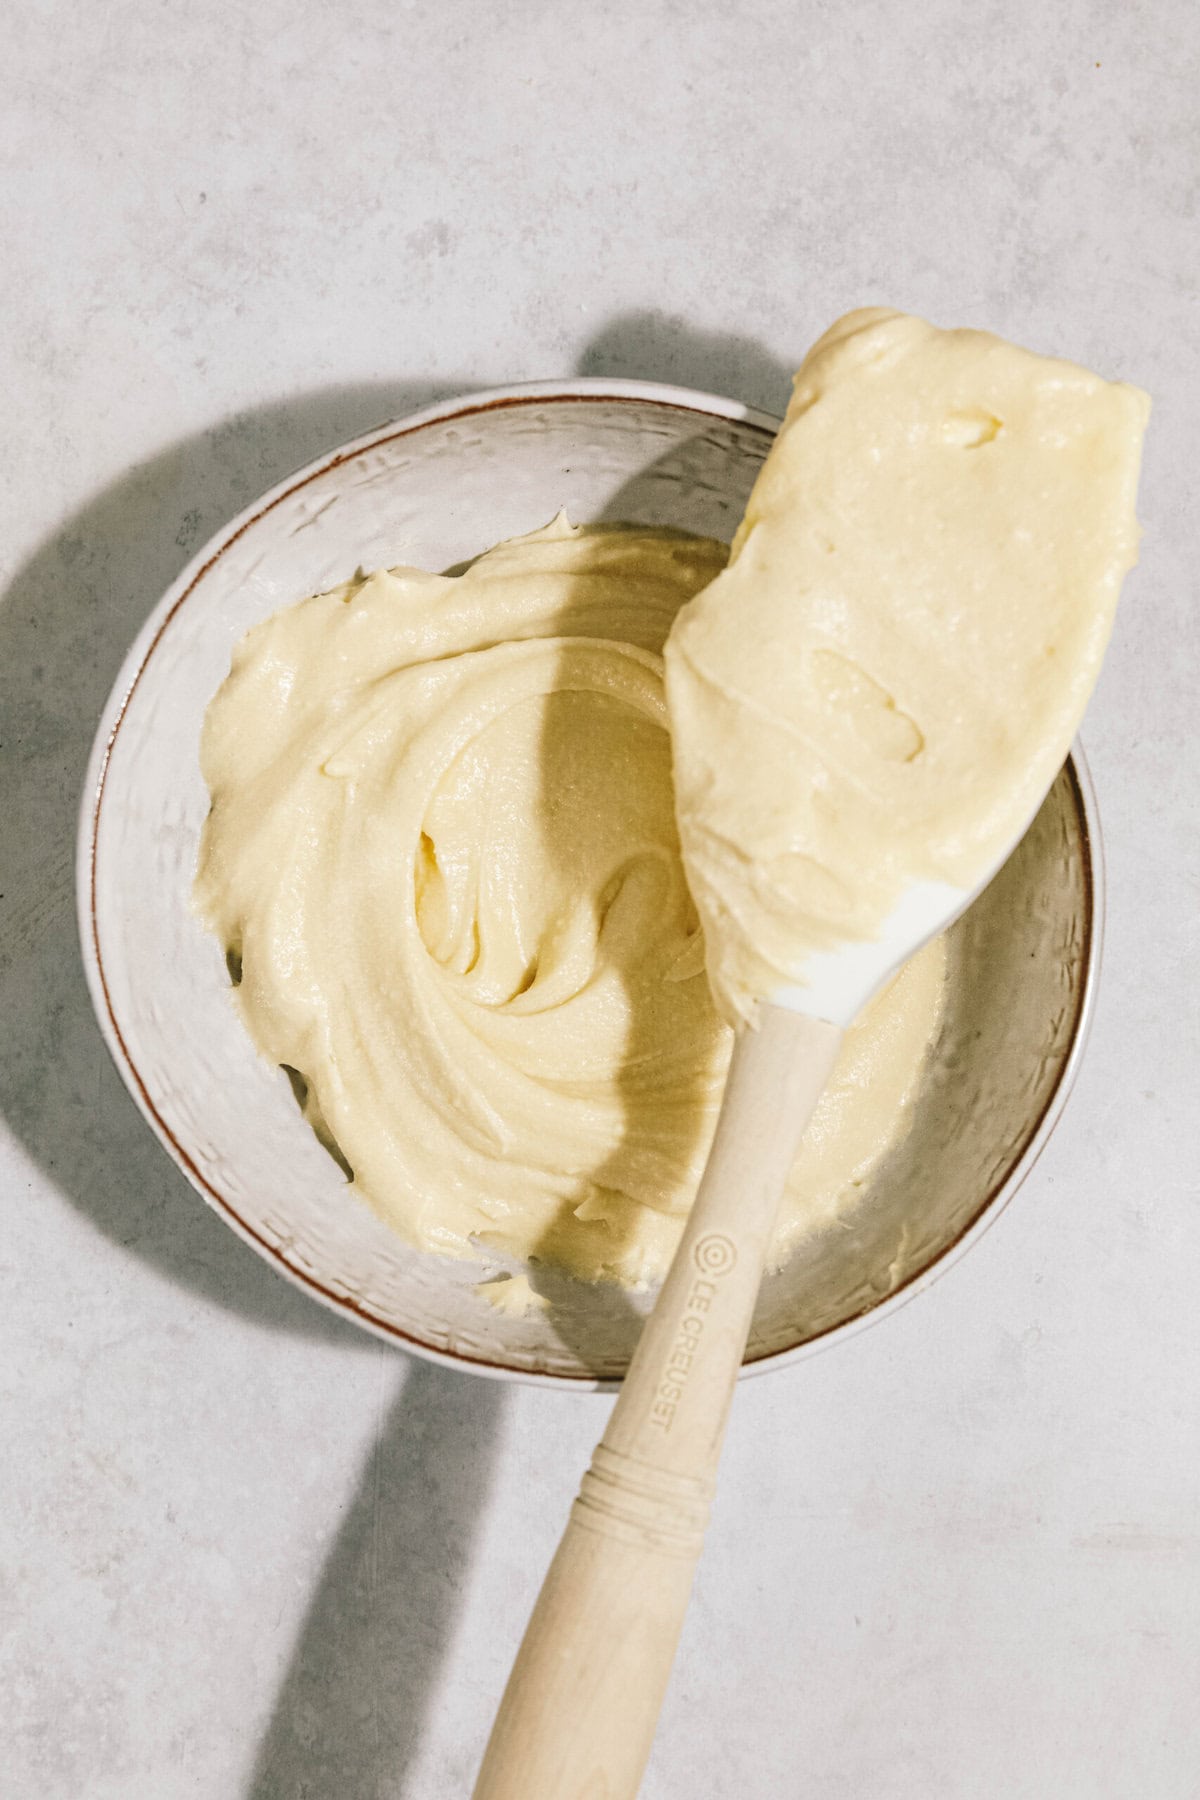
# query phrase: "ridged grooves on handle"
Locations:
[[623, 1497]]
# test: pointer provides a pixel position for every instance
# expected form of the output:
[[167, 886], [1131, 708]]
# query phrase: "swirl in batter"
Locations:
[[442, 859]]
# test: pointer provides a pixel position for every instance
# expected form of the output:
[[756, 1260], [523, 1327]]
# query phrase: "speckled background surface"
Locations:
[[245, 1552]]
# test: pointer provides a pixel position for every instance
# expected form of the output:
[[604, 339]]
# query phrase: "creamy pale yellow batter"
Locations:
[[883, 683], [442, 853]]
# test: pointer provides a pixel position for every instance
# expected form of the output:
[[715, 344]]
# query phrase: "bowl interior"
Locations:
[[434, 492]]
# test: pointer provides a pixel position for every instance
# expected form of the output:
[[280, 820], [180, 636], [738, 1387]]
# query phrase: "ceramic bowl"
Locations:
[[433, 490]]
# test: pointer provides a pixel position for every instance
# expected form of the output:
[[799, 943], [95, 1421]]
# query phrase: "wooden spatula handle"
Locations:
[[580, 1709]]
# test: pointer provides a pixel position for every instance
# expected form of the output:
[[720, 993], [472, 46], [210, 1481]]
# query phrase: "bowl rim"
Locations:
[[581, 388]]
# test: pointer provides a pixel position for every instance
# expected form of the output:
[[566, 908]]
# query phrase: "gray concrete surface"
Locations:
[[246, 1552]]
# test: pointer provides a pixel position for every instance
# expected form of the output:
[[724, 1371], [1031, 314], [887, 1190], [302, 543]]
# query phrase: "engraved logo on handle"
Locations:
[[715, 1254]]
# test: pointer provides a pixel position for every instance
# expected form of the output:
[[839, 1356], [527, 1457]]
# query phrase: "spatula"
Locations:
[[965, 511]]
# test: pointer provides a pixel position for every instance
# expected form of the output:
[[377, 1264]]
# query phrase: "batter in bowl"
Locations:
[[443, 862]]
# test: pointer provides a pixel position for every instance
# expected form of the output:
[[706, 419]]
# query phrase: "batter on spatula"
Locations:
[[879, 688]]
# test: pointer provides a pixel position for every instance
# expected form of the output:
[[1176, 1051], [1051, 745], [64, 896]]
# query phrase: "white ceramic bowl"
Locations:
[[433, 490]]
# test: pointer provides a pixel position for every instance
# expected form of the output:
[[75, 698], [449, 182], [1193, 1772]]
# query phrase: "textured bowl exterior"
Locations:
[[434, 490]]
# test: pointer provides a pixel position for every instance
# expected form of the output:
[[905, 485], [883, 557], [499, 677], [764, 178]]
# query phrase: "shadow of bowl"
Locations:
[[66, 621]]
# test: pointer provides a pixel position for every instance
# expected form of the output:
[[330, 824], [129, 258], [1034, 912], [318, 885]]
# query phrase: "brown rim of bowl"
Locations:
[[534, 393]]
